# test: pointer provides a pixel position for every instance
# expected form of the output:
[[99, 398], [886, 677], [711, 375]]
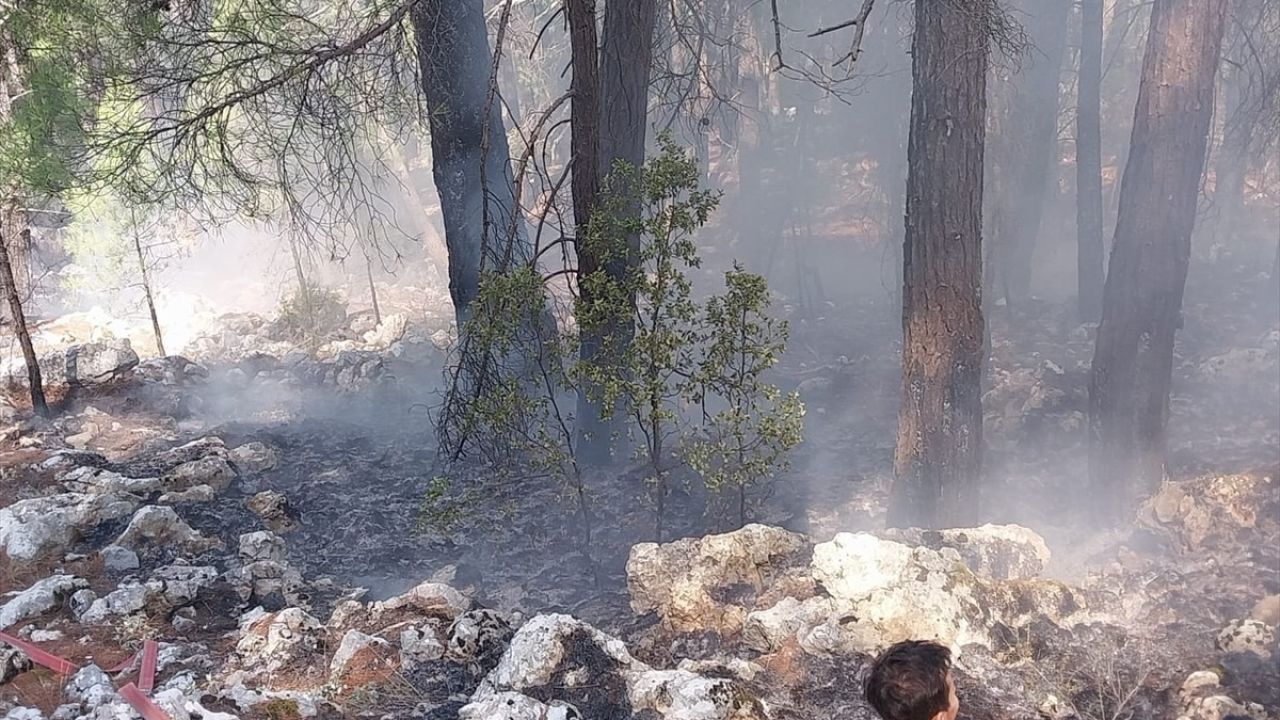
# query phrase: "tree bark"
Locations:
[[1028, 139], [19, 320], [1142, 299], [455, 61], [146, 290], [615, 117], [939, 449], [1090, 256]]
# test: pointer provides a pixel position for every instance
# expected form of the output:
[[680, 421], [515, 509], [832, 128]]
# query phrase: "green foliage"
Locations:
[[746, 442], [647, 372], [440, 512], [663, 352], [310, 312]]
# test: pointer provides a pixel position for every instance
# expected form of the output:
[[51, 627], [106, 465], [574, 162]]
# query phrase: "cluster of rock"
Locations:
[[753, 624]]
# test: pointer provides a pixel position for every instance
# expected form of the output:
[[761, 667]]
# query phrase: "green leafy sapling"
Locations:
[[750, 425], [651, 380]]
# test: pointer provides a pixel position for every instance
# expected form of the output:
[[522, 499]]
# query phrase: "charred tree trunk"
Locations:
[[1142, 300], [939, 450], [615, 116], [19, 320], [1029, 140], [475, 183], [1090, 257]]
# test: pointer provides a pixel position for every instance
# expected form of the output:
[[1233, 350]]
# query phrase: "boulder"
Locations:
[[99, 362], [100, 481], [273, 641], [419, 644], [391, 329], [683, 695], [211, 470], [273, 508], [156, 525], [514, 706], [43, 596], [254, 457], [90, 687], [261, 545], [1251, 636], [118, 559], [13, 662], [431, 599], [39, 527], [1002, 552], [1214, 512], [686, 582]]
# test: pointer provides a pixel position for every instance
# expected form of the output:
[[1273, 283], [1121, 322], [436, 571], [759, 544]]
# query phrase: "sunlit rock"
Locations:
[[514, 706], [682, 695], [432, 599], [1213, 511], [361, 660], [44, 526], [1002, 552], [273, 641], [43, 596], [100, 362], [687, 582]]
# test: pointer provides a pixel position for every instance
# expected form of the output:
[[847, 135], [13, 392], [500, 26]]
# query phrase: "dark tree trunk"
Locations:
[[939, 451], [1090, 257], [455, 61], [146, 290], [620, 104], [1028, 138], [19, 320], [1142, 300]]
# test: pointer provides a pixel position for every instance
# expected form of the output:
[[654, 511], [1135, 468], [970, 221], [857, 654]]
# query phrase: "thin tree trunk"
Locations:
[[1142, 299], [146, 290], [455, 62], [19, 320], [304, 289], [1089, 247], [939, 451], [373, 290]]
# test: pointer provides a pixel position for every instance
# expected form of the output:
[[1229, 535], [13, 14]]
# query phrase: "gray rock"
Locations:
[[13, 662], [100, 362], [118, 559], [124, 600], [40, 598], [261, 545], [255, 457], [40, 527], [90, 687], [354, 644], [159, 525], [273, 508], [211, 470], [24, 713]]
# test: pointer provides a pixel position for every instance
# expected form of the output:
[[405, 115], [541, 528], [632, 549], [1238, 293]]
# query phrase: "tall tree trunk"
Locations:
[[1142, 299], [1090, 257], [455, 62], [1029, 139], [19, 320], [939, 452], [616, 115]]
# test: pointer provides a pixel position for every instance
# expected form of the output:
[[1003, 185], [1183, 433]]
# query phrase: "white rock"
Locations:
[[354, 643], [539, 647], [419, 644], [430, 598], [39, 527], [510, 706], [96, 363], [767, 630], [261, 545], [24, 713], [1253, 636], [90, 479], [125, 600], [40, 598], [682, 695], [274, 640], [91, 687]]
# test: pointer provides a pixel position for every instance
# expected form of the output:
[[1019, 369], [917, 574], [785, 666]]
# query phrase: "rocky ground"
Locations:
[[258, 511]]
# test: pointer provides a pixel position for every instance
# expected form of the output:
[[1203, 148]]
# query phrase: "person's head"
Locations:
[[912, 681]]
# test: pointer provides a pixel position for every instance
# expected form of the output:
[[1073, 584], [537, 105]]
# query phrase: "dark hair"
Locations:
[[909, 681]]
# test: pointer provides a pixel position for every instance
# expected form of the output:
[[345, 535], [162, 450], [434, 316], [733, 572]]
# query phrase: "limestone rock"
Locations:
[[1002, 552], [275, 640], [273, 508], [160, 525], [432, 599], [13, 662], [194, 494], [419, 644], [514, 706], [389, 331], [43, 596], [540, 647], [1214, 511], [100, 362], [96, 480], [682, 695], [255, 457], [90, 687], [360, 656], [211, 470], [682, 580], [40, 527], [261, 545], [1253, 636]]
